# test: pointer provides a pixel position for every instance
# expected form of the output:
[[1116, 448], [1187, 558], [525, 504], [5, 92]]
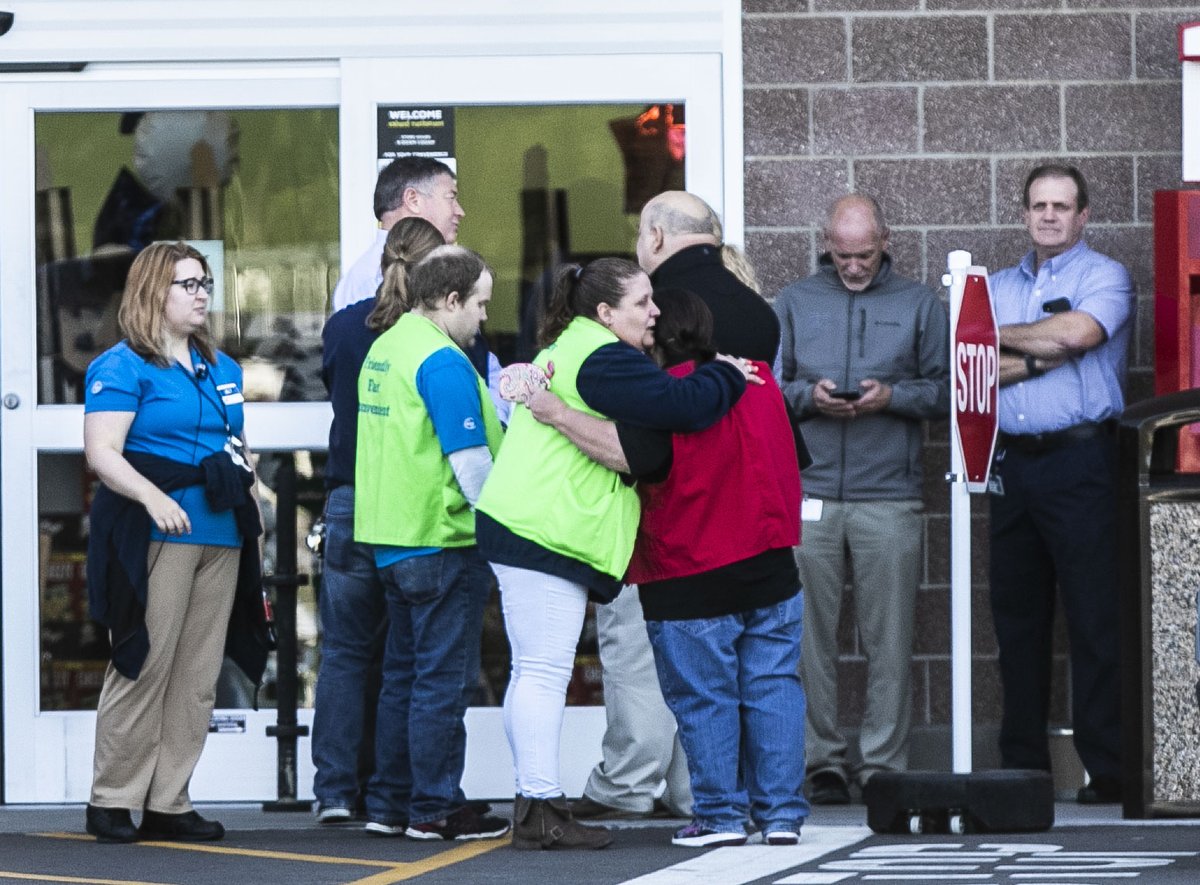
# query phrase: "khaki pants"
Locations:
[[641, 747], [881, 540], [150, 731]]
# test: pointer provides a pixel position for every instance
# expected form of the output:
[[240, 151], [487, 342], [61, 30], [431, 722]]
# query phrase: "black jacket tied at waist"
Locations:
[[119, 544]]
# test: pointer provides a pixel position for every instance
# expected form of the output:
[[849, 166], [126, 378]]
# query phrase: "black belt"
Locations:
[[1037, 443]]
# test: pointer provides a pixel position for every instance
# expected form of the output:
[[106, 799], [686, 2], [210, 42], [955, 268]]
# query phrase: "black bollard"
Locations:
[[285, 582]]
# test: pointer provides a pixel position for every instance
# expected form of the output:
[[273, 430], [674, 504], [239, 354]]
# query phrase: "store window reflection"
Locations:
[[74, 649], [551, 183], [255, 191]]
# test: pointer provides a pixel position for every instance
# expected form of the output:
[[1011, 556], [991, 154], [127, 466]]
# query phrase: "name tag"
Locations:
[[230, 395], [810, 509]]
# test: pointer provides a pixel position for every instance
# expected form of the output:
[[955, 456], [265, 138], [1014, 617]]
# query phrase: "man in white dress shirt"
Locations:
[[408, 186]]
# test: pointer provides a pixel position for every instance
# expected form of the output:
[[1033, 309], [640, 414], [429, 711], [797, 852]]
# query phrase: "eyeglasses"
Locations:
[[192, 285]]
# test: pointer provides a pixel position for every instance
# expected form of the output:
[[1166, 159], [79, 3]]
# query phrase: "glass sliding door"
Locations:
[[244, 164], [555, 158]]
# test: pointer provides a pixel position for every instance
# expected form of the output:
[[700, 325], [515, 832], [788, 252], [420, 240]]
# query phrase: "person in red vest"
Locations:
[[720, 589]]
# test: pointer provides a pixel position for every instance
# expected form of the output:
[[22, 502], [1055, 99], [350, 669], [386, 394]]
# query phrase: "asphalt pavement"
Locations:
[[1086, 845]]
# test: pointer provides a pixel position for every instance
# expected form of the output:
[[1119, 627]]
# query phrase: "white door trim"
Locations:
[[43, 754]]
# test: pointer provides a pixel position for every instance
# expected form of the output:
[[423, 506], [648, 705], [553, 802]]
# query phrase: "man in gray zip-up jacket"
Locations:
[[864, 359]]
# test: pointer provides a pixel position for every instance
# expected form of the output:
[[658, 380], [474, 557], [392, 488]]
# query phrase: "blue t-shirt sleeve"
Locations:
[[113, 382], [449, 385]]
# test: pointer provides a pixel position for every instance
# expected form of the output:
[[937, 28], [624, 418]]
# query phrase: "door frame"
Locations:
[[693, 78], [464, 52], [47, 755]]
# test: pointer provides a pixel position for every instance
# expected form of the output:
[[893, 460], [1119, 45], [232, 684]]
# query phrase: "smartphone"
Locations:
[[848, 394]]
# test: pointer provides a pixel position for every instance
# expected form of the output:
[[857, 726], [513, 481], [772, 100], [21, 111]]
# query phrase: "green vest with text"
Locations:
[[405, 493], [545, 490]]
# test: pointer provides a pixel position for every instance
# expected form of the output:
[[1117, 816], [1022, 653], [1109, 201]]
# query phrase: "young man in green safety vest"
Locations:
[[427, 432]]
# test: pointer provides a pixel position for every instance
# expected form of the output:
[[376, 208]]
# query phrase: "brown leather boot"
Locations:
[[547, 823]]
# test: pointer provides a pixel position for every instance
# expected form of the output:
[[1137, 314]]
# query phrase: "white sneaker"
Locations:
[[381, 829], [333, 814], [781, 837]]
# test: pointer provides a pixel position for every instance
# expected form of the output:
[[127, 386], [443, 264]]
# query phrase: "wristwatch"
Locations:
[[1031, 366]]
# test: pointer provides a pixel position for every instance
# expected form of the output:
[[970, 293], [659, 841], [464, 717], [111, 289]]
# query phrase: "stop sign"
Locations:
[[976, 379]]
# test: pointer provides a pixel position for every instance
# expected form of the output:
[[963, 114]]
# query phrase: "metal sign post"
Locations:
[[974, 395]]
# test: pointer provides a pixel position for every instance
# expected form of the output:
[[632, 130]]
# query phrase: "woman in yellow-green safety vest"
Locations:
[[558, 527]]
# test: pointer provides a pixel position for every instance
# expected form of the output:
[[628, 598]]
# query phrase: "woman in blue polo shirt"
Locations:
[[173, 532]]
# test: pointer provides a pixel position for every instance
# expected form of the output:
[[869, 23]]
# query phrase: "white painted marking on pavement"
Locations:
[[921, 877], [813, 879], [1093, 875], [734, 866], [993, 862]]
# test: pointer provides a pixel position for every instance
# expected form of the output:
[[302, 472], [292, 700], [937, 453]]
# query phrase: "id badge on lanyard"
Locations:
[[237, 451]]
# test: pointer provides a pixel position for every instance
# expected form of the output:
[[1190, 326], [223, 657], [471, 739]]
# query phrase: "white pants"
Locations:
[[543, 616]]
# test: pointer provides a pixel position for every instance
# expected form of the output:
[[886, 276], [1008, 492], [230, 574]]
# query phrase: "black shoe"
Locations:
[[1100, 791], [826, 788], [111, 824], [587, 808], [459, 825], [186, 827], [663, 811]]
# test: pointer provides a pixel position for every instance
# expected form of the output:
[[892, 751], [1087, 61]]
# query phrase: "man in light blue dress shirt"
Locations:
[[1065, 315]]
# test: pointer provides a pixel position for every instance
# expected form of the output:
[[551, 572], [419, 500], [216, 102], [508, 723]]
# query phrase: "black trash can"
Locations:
[[1159, 524]]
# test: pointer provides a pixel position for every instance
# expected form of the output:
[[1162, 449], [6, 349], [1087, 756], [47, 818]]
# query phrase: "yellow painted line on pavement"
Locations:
[[90, 880], [393, 871], [403, 871], [243, 852]]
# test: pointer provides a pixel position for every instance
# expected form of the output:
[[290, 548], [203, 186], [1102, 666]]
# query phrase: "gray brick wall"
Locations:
[[939, 108]]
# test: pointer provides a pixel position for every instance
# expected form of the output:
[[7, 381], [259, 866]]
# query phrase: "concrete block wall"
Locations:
[[939, 108]]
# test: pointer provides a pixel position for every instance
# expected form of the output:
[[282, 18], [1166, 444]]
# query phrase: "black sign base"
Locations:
[[923, 802]]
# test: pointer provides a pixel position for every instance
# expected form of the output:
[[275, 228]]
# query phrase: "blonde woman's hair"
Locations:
[[409, 240], [739, 265], [144, 300]]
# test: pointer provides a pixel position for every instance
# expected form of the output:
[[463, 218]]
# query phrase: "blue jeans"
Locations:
[[431, 661], [353, 627], [732, 684]]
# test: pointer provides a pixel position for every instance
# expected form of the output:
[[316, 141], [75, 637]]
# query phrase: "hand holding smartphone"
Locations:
[[849, 394]]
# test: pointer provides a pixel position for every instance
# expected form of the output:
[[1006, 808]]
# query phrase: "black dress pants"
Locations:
[[1054, 530]]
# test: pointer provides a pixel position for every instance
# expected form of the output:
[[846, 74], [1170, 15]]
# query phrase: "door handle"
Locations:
[[11, 401]]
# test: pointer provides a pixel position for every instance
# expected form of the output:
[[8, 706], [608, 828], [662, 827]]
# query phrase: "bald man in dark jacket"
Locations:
[[680, 246]]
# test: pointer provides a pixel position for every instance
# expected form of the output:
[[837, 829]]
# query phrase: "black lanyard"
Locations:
[[201, 371]]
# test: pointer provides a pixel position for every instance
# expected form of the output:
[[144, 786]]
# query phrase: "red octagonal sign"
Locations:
[[976, 370]]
